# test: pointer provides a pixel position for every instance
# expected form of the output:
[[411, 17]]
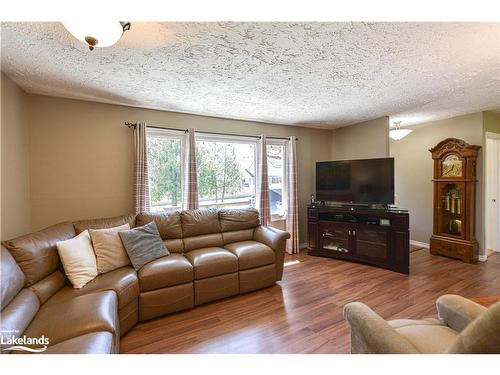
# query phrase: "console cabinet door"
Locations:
[[335, 239], [372, 244]]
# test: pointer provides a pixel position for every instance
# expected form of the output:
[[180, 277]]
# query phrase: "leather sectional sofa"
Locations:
[[213, 254]]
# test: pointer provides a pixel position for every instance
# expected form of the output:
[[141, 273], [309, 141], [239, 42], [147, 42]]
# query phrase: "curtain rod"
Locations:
[[132, 125]]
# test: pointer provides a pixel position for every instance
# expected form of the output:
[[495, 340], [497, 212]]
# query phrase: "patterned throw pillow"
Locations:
[[143, 244]]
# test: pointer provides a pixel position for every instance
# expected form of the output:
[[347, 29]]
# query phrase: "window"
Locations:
[[276, 174], [226, 171], [164, 168]]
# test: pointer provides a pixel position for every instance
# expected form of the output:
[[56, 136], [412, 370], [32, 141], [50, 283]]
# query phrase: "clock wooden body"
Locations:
[[455, 168]]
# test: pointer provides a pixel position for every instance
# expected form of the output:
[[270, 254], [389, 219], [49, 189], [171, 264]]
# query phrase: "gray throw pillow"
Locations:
[[143, 244]]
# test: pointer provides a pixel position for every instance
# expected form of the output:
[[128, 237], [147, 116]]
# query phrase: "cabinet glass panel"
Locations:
[[335, 239], [371, 243], [451, 209]]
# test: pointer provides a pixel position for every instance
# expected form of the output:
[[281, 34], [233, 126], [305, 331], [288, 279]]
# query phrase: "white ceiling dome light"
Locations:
[[97, 33], [398, 133]]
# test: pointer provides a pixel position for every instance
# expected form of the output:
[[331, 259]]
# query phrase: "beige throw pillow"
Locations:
[[78, 259], [109, 249]]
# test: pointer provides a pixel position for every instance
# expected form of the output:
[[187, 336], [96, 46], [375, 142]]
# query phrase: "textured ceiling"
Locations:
[[313, 74]]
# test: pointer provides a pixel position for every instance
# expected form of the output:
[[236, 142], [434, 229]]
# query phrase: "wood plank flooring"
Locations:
[[303, 312]]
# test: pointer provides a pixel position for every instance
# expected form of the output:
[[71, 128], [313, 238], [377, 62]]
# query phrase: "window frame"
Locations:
[[284, 143], [169, 134], [213, 137], [209, 137]]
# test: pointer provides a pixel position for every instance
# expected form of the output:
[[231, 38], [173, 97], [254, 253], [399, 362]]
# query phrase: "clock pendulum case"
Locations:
[[454, 200]]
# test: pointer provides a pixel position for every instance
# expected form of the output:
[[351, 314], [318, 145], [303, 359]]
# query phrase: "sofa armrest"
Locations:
[[276, 240], [457, 312], [272, 237], [371, 334]]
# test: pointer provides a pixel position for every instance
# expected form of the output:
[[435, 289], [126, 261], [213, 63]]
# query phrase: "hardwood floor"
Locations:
[[303, 312]]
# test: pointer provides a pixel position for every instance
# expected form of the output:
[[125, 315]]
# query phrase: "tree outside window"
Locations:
[[226, 172], [164, 168]]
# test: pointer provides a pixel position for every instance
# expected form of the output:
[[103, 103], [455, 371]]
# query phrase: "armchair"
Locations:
[[463, 327]]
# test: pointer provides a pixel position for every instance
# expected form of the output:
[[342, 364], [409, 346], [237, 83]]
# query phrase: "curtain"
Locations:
[[141, 188], [190, 200], [292, 217], [263, 183]]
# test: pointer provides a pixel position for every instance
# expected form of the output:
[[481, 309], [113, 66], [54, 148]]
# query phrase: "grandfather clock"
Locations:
[[454, 200]]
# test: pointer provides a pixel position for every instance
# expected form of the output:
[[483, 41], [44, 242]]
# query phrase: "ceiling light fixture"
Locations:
[[398, 133], [97, 33]]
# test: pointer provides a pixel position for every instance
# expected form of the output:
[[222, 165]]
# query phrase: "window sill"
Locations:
[[277, 218]]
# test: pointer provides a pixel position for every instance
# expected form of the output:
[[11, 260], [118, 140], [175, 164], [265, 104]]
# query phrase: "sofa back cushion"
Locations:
[[175, 245], [108, 222], [168, 224], [18, 314], [197, 222], [204, 240], [11, 278], [48, 286], [36, 253], [143, 244], [18, 306], [238, 235], [238, 219]]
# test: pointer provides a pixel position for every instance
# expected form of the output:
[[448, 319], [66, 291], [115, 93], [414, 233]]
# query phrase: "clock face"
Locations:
[[451, 166]]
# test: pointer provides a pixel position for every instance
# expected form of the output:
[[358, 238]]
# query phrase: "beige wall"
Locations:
[[67, 159], [15, 198], [82, 156], [414, 169], [491, 122], [369, 139]]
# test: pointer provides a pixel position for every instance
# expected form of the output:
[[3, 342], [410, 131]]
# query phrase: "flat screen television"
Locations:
[[369, 181]]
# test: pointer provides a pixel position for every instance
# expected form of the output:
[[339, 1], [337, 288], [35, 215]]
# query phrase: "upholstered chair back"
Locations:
[[482, 335]]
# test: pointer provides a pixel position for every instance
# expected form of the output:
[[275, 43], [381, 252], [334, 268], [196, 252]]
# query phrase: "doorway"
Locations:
[[492, 192]]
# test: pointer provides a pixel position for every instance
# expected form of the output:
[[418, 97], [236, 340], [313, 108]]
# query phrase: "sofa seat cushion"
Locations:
[[64, 319], [166, 271], [90, 343], [212, 261], [122, 280], [428, 336], [251, 254]]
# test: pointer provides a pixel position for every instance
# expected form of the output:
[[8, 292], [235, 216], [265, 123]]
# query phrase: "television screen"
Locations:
[[369, 181]]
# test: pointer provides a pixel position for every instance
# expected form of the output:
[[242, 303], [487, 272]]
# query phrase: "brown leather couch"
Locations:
[[213, 254]]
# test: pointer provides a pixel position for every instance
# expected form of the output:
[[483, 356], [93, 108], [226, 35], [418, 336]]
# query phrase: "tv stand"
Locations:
[[375, 236]]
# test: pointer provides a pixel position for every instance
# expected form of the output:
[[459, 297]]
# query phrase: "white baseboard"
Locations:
[[483, 258], [418, 243]]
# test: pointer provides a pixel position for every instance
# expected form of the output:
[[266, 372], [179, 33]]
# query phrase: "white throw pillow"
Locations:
[[78, 259]]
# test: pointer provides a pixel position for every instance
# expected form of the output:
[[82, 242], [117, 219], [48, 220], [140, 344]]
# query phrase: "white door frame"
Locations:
[[488, 205]]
